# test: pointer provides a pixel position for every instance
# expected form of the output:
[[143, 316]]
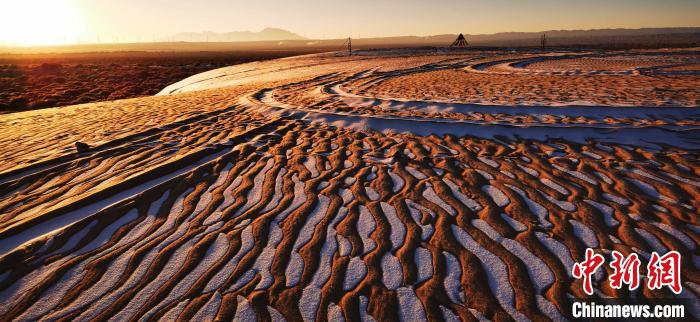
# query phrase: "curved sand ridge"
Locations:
[[326, 99], [596, 63], [621, 79], [293, 193]]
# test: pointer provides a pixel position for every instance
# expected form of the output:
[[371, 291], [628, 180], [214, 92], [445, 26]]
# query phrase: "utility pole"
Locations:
[[543, 41], [349, 46]]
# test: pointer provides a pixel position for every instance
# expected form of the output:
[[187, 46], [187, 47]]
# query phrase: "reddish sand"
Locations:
[[283, 189], [33, 81]]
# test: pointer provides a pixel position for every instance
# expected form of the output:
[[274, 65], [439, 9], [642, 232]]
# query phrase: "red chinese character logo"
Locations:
[[587, 268], [665, 271], [625, 270]]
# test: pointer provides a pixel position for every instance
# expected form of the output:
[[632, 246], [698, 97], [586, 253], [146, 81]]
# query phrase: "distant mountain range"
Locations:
[[586, 33], [267, 34], [279, 39], [596, 38], [565, 37], [621, 36]]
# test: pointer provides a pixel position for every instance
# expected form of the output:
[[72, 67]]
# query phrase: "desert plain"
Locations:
[[415, 185]]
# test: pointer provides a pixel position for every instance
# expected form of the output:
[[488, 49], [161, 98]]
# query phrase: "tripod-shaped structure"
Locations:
[[460, 41]]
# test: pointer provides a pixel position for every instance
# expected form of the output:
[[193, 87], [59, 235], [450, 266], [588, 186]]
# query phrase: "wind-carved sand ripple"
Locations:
[[359, 101], [276, 205]]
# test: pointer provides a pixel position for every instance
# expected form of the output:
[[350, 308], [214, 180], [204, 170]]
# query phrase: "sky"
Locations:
[[44, 22]]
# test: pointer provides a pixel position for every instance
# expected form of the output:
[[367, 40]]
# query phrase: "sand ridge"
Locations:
[[293, 193]]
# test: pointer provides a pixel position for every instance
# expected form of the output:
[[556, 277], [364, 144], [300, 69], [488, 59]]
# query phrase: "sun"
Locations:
[[39, 22]]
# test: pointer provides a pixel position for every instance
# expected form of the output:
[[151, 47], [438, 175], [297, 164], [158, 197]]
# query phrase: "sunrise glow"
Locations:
[[59, 22], [40, 22]]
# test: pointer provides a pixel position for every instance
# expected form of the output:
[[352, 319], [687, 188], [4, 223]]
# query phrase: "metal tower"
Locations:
[[460, 42], [543, 41]]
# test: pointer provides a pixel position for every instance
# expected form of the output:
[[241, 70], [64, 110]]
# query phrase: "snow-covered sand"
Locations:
[[377, 187]]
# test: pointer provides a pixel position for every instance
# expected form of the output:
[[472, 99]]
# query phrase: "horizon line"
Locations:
[[157, 40]]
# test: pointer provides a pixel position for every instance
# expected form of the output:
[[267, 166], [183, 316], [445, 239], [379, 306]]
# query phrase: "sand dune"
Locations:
[[411, 187]]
